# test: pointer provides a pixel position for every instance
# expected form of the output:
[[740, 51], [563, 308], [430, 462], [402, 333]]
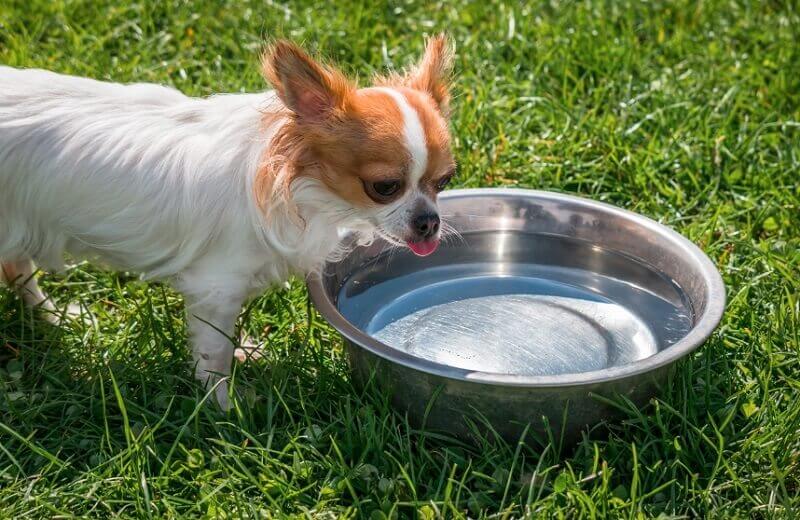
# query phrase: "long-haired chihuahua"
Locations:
[[223, 196]]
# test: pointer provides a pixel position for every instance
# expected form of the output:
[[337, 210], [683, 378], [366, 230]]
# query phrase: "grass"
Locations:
[[688, 112]]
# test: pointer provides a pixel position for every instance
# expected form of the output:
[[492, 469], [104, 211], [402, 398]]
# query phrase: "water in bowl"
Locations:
[[545, 305]]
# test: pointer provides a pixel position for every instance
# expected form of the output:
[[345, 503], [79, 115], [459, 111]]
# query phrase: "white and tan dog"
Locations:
[[223, 196]]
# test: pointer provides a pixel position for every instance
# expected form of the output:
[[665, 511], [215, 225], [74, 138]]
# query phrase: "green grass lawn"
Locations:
[[688, 112]]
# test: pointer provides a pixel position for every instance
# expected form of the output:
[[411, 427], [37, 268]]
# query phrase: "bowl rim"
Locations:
[[706, 322]]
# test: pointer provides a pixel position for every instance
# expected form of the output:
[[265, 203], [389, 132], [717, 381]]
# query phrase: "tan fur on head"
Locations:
[[276, 172], [312, 91], [347, 137], [432, 74], [316, 97]]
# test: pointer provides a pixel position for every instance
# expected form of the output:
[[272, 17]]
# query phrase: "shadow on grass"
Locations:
[[83, 406]]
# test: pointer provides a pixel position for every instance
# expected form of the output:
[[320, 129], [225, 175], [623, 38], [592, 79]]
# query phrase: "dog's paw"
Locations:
[[221, 396], [213, 382], [63, 316], [218, 388], [249, 350]]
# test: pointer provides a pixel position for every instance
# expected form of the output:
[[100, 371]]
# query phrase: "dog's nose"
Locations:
[[426, 225]]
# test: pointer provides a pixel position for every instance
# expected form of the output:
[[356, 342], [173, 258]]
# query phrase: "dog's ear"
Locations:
[[432, 73], [309, 89]]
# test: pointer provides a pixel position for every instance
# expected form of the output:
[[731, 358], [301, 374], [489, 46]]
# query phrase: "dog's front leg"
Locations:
[[211, 314], [21, 276]]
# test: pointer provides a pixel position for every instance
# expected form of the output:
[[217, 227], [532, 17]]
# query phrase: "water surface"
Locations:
[[514, 316]]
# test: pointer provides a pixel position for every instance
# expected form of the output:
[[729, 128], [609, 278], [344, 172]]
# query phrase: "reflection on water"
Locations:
[[522, 334], [519, 318]]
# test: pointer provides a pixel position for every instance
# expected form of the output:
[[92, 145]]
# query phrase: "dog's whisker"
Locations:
[[457, 215], [450, 233]]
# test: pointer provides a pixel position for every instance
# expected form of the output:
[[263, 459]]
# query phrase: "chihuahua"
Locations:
[[221, 196]]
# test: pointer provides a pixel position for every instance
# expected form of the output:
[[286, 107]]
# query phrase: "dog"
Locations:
[[220, 196]]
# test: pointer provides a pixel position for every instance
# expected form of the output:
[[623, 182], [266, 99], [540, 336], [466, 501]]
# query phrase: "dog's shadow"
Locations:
[[85, 393], [87, 396]]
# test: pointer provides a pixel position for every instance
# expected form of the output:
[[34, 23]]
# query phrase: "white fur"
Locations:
[[144, 178], [393, 219], [414, 135]]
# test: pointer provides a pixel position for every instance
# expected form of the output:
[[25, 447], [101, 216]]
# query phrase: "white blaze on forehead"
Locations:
[[414, 135]]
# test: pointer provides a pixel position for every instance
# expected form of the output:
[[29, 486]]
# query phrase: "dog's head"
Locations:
[[383, 150]]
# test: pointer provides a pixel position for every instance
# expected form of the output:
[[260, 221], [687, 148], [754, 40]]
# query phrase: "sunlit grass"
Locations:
[[687, 112]]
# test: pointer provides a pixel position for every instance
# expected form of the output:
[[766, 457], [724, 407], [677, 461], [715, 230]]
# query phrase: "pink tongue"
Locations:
[[423, 248]]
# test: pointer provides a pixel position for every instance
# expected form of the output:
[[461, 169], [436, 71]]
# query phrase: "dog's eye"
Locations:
[[386, 188], [383, 191], [443, 182]]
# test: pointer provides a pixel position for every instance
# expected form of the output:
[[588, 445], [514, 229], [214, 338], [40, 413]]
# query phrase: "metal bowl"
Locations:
[[541, 304]]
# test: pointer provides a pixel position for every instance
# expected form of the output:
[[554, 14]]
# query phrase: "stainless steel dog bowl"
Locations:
[[543, 303]]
